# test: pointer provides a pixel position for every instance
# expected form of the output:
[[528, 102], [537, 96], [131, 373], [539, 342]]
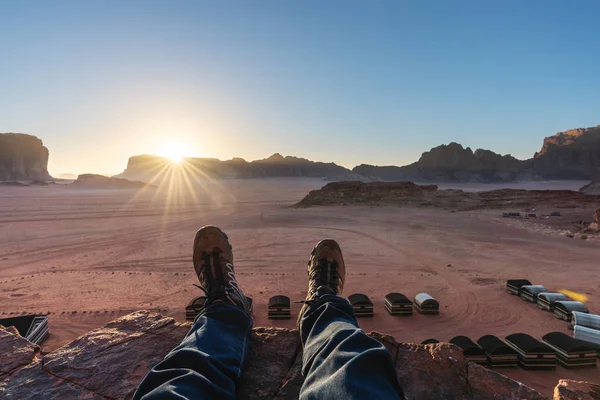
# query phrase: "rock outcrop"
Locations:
[[410, 194], [595, 224], [591, 188], [93, 181], [576, 390], [573, 154], [150, 168], [23, 158], [453, 163], [108, 363], [16, 351]]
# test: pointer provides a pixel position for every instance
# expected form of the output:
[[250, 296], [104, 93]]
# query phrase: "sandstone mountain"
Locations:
[[23, 158], [452, 163], [573, 154], [592, 188], [149, 168]]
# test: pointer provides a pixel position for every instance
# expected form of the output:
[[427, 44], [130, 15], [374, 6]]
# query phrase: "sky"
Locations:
[[353, 82]]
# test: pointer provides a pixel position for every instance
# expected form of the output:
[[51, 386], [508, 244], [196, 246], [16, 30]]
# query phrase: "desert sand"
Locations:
[[86, 256]]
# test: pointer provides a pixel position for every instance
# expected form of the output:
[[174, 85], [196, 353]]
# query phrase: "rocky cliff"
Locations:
[[452, 163], [573, 154], [149, 168], [23, 158], [108, 363], [410, 194], [592, 188]]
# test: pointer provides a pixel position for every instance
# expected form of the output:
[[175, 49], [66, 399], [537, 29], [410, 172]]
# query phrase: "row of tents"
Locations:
[[558, 303], [396, 304], [585, 326], [520, 349]]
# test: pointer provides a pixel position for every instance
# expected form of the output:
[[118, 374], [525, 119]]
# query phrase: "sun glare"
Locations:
[[174, 152]]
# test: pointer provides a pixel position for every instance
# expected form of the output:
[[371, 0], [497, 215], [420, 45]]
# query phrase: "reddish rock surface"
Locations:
[[16, 350], [488, 384], [33, 382], [272, 354], [576, 390], [108, 363], [435, 371]]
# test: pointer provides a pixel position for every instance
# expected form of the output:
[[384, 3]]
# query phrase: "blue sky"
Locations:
[[353, 82]]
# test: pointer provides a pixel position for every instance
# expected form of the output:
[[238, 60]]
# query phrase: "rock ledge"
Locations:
[[108, 363]]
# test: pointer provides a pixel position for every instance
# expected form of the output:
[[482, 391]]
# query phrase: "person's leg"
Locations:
[[340, 361], [208, 362]]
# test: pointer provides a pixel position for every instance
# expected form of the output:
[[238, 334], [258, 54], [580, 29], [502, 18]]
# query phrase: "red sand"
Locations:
[[103, 253]]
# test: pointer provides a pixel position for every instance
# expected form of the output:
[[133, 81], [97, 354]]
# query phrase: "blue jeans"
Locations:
[[340, 361]]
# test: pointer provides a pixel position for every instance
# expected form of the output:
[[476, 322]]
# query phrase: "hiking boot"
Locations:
[[326, 272], [213, 262]]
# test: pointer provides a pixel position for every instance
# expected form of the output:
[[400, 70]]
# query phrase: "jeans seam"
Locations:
[[246, 334]]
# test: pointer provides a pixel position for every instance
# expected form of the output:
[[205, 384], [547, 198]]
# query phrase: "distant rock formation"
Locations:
[[67, 176], [412, 195], [573, 154], [149, 168], [23, 158], [451, 163], [104, 182]]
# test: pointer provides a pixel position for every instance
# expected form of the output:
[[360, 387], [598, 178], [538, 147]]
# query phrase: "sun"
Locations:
[[174, 152]]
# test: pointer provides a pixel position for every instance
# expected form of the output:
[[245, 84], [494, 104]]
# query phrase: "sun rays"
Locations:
[[183, 185]]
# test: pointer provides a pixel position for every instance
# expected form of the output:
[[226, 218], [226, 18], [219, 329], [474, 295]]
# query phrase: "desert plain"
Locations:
[[85, 256]]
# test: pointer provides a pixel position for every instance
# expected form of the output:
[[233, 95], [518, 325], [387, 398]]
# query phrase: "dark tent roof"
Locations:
[[359, 299], [397, 298], [22, 323], [567, 343], [279, 301], [552, 297], [568, 306], [528, 344], [430, 341], [494, 346], [468, 346], [533, 289], [518, 282]]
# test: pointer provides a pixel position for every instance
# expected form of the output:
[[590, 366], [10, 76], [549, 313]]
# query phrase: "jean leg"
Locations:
[[208, 362], [340, 361]]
